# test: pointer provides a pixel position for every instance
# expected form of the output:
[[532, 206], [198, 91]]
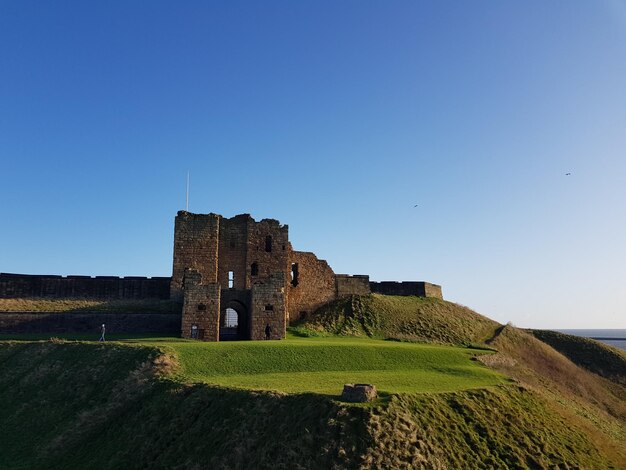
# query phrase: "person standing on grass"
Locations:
[[102, 331], [268, 331]]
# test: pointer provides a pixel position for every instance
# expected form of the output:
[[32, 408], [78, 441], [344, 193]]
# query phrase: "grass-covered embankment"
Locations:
[[171, 403], [503, 427], [590, 354], [324, 365], [586, 400], [89, 405], [315, 365], [401, 318], [35, 305]]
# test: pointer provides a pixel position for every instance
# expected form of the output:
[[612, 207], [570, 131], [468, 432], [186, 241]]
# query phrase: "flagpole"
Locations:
[[187, 199]]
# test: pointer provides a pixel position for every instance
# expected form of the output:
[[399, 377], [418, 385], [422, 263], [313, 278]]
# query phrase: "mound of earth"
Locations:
[[400, 318]]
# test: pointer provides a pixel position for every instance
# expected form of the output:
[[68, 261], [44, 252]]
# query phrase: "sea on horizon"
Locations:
[[613, 337]]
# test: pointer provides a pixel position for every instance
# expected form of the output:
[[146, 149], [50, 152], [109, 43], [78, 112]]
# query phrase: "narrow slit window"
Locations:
[[268, 243], [254, 269], [231, 279], [269, 308], [294, 274]]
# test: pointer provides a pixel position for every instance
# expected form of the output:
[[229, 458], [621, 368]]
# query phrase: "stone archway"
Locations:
[[234, 323]]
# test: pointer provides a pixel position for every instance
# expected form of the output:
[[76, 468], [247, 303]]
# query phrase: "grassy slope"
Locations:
[[50, 389], [317, 365], [506, 427], [592, 355], [587, 401], [110, 411], [323, 365], [89, 305], [79, 405], [403, 318]]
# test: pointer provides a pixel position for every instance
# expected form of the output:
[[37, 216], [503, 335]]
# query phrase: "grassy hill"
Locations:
[[504, 427], [89, 405], [401, 318], [587, 401], [170, 403], [89, 305], [592, 355]]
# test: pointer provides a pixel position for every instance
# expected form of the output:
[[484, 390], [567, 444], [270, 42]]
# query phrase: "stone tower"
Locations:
[[230, 274], [237, 277]]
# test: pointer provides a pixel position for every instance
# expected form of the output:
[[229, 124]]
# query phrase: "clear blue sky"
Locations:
[[335, 118]]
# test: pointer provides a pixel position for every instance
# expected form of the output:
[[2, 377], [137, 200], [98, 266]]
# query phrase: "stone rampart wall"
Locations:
[[90, 322], [352, 285], [99, 287], [420, 289]]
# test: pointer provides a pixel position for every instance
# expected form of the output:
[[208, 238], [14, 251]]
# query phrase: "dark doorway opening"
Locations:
[[234, 323]]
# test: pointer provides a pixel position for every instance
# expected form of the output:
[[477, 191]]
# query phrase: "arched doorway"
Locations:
[[234, 322]]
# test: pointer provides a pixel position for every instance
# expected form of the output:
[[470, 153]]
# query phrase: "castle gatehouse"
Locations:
[[241, 279]]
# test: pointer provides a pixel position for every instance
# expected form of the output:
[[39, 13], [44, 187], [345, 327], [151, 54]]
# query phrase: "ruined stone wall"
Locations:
[[216, 246], [52, 323], [99, 287], [233, 248], [272, 257], [195, 246], [315, 286], [352, 285], [420, 289], [269, 307], [201, 307], [432, 290]]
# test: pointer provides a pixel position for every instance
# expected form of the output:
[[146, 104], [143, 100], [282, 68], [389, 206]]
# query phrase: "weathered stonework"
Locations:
[[235, 277], [250, 282], [352, 285], [419, 289], [89, 322], [195, 247], [358, 393], [201, 308], [84, 287], [236, 268], [312, 287], [269, 307]]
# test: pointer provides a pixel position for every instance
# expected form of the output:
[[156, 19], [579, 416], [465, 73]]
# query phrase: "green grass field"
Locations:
[[320, 365], [324, 365]]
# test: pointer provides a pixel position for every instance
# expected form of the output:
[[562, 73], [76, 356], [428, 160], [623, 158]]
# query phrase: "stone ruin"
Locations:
[[241, 279], [236, 278], [359, 393]]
